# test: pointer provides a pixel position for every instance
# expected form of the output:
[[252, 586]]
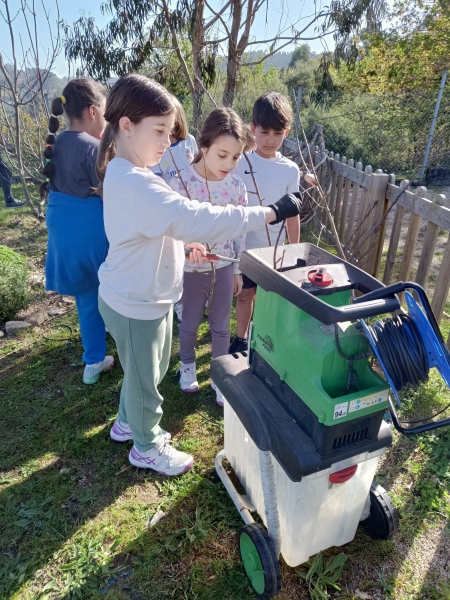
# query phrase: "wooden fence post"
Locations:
[[353, 205], [339, 190], [375, 205], [343, 219], [329, 191], [334, 178], [395, 238], [411, 240], [382, 232], [442, 284], [429, 245]]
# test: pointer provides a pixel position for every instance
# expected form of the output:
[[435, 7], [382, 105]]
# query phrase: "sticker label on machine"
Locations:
[[368, 401], [340, 410]]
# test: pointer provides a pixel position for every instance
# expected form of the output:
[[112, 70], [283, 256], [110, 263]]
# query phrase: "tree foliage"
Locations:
[[301, 54], [403, 58]]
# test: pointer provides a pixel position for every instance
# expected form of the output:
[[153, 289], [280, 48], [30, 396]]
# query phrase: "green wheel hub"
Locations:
[[252, 563], [260, 560]]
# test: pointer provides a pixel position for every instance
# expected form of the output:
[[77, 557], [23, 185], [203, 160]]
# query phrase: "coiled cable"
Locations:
[[401, 349]]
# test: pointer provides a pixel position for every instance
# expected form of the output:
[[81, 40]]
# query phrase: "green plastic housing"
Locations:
[[303, 352]]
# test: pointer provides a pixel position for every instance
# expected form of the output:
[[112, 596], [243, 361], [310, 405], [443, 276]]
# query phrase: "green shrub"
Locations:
[[14, 279]]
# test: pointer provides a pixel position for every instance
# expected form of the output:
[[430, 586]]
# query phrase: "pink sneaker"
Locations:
[[121, 432], [165, 460]]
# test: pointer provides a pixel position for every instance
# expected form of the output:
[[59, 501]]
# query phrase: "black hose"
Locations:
[[401, 349]]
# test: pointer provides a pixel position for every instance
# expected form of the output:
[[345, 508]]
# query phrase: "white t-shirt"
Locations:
[[146, 224], [275, 177], [183, 154]]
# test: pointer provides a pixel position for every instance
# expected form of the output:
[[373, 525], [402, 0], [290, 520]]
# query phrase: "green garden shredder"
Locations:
[[304, 427]]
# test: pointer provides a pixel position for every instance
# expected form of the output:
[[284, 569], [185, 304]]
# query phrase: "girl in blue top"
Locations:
[[77, 243]]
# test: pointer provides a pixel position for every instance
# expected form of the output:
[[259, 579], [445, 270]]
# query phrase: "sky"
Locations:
[[281, 13]]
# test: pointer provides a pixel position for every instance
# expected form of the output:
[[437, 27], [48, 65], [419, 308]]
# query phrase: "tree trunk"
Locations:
[[198, 37], [36, 212], [233, 58], [236, 49]]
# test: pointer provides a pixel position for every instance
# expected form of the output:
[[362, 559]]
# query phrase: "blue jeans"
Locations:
[[92, 327], [5, 180]]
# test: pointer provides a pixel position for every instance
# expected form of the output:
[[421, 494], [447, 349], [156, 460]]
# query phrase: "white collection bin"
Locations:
[[313, 514]]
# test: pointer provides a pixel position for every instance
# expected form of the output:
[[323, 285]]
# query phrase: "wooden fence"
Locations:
[[359, 199]]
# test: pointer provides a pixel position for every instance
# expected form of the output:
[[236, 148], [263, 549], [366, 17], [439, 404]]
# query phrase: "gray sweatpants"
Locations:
[[196, 288]]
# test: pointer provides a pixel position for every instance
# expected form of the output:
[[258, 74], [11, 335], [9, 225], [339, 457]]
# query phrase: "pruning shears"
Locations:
[[212, 256]]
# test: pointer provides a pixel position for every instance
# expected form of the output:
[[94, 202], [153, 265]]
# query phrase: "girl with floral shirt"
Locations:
[[210, 178]]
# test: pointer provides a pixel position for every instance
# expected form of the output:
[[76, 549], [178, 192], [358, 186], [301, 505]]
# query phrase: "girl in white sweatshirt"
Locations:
[[147, 225]]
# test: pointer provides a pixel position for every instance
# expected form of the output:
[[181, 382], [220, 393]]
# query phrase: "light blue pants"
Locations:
[[92, 327]]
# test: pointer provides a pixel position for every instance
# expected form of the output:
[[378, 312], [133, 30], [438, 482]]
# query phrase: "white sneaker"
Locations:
[[188, 378], [121, 432], [165, 460], [92, 372], [220, 398], [179, 310]]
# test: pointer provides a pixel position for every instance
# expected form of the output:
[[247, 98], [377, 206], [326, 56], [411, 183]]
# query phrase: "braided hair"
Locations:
[[78, 95]]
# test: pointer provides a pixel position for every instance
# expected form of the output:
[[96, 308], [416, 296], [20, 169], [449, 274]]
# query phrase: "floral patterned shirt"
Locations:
[[230, 190]]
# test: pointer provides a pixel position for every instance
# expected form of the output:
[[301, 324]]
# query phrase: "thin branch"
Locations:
[[217, 15], [258, 62], [320, 192]]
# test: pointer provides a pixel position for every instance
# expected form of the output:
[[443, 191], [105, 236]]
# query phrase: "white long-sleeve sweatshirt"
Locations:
[[147, 225]]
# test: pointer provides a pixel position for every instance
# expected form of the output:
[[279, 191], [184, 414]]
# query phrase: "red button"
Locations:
[[320, 277]]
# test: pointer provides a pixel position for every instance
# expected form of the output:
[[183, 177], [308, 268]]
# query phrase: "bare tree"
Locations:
[[25, 71]]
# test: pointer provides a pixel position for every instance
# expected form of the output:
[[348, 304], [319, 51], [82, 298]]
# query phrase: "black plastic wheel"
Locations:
[[260, 561], [383, 521]]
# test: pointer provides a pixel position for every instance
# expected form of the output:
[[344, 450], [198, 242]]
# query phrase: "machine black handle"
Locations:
[[382, 292], [364, 310]]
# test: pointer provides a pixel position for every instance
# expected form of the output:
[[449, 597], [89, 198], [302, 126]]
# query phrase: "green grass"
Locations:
[[74, 514]]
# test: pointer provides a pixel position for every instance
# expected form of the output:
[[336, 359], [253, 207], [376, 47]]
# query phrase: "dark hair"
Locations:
[[221, 121], [136, 97], [272, 111], [180, 130], [78, 95]]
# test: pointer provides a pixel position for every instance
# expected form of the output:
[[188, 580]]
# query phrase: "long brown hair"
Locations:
[[136, 97], [180, 130], [78, 95], [221, 121]]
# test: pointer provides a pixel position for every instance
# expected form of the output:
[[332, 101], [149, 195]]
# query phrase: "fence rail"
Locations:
[[387, 230]]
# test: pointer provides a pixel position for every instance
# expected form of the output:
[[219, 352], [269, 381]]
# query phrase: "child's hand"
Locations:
[[198, 253], [237, 284], [311, 179]]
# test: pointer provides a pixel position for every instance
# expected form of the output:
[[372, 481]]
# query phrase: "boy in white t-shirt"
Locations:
[[275, 176]]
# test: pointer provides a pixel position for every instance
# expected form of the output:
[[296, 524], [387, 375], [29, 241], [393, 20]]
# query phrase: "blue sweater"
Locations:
[[77, 243]]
